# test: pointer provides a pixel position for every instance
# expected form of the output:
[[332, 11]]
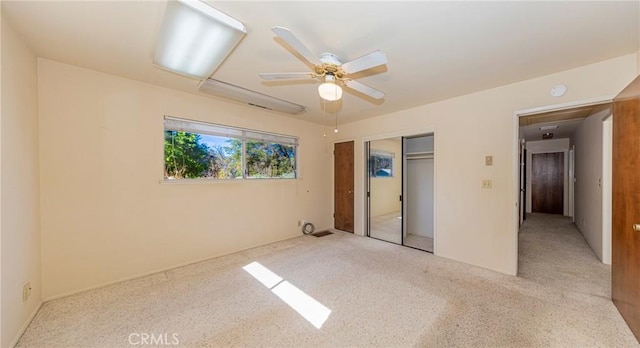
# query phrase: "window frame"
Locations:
[[179, 124]]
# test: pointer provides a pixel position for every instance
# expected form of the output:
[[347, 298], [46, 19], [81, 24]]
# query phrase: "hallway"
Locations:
[[552, 252]]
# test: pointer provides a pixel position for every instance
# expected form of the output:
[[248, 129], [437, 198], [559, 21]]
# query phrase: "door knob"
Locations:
[[636, 227]]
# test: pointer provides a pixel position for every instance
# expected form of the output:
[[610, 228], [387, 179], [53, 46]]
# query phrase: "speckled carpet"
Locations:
[[363, 292]]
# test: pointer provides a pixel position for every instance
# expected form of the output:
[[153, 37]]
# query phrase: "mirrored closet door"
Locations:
[[400, 190], [385, 189]]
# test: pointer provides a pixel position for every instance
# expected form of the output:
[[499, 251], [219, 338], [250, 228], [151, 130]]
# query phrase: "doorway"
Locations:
[[575, 133], [343, 186]]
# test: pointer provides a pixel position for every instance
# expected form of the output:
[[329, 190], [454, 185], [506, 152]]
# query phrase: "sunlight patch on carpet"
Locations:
[[308, 307]]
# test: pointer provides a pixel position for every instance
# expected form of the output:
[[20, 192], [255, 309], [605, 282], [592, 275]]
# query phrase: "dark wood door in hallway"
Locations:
[[547, 182], [625, 233]]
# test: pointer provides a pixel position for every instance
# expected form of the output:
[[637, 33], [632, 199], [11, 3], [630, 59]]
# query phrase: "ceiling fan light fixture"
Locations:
[[196, 38], [329, 91]]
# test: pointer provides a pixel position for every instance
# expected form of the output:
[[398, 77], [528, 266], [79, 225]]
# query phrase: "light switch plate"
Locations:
[[487, 184], [488, 160]]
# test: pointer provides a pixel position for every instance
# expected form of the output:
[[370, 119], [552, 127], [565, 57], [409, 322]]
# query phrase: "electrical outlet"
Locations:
[[26, 291], [487, 184], [299, 223]]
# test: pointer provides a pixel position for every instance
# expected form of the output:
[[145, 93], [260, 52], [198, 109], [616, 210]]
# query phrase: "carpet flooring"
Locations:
[[378, 294]]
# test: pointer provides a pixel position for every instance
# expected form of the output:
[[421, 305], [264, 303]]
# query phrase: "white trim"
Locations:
[[401, 133], [516, 190], [572, 175], [563, 106], [516, 165]]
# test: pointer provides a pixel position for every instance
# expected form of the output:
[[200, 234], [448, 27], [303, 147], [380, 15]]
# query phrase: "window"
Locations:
[[198, 150], [381, 164]]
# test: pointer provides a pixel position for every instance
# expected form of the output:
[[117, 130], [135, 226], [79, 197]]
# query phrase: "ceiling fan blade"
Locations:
[[364, 89], [365, 62], [287, 76], [290, 39]]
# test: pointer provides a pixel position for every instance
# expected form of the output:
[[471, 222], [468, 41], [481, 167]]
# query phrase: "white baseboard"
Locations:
[[25, 325]]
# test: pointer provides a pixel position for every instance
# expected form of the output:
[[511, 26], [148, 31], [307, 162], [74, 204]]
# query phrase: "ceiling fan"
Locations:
[[329, 67]]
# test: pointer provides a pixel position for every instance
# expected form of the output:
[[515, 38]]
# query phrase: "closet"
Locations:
[[400, 190]]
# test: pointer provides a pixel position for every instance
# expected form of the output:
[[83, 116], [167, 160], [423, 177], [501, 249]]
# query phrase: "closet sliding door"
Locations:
[[384, 189]]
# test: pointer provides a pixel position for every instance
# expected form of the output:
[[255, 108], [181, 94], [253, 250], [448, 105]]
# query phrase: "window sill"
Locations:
[[222, 181]]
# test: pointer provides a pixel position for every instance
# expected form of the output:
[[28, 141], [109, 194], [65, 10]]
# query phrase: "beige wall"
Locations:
[[1, 25], [588, 171], [385, 192], [20, 185], [476, 225], [105, 214]]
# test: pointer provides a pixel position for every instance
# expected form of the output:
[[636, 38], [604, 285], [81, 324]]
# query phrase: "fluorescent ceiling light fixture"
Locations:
[[329, 90], [543, 128], [247, 96], [196, 38]]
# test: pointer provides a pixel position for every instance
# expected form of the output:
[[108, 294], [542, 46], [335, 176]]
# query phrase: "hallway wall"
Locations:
[[588, 173]]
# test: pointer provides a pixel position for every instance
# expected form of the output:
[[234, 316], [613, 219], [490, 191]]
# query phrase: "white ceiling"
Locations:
[[436, 50]]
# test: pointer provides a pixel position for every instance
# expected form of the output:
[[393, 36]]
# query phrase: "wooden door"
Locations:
[[547, 183], [343, 186], [625, 241]]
